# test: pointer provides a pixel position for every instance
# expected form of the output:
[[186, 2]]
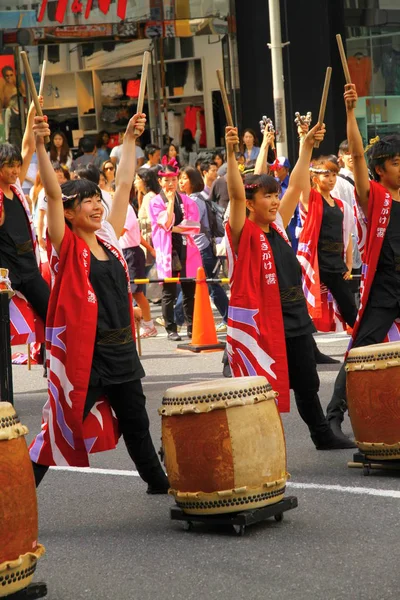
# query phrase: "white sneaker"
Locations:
[[147, 332], [221, 327]]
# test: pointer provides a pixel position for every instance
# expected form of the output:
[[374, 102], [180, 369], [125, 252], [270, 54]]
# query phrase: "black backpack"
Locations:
[[215, 214]]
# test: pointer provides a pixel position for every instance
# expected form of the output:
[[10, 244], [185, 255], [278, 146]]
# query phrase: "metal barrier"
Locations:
[[179, 280]]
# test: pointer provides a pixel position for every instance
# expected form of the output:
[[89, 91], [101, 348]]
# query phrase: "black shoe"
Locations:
[[45, 371], [174, 337], [189, 333], [226, 371], [324, 359], [331, 442], [336, 427], [151, 489]]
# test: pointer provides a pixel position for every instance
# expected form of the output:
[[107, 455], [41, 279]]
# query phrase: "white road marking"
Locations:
[[292, 484]]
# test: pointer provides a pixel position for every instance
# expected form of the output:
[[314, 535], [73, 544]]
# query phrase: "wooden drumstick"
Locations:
[[43, 75], [143, 81], [138, 339], [32, 88], [343, 57], [227, 108], [324, 99]]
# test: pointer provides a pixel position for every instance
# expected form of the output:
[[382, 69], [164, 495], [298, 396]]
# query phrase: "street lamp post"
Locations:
[[277, 77]]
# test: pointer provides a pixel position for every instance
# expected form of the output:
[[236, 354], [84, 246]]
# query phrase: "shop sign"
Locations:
[[72, 32], [84, 8]]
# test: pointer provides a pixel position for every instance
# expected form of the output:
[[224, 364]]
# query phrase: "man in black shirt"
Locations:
[[17, 252]]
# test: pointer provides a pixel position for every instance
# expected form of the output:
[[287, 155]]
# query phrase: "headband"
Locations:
[[321, 171], [166, 163], [372, 142]]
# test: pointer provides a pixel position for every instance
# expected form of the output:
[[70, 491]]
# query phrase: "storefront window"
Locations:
[[373, 51]]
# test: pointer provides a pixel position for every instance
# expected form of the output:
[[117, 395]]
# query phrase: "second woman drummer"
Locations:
[[269, 329]]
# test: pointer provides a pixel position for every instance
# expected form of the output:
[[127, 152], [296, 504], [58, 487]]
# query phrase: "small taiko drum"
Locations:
[[224, 445], [373, 395], [19, 549]]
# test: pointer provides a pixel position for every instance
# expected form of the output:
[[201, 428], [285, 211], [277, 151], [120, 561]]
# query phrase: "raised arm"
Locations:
[[55, 209], [356, 148], [125, 173], [28, 141], [299, 182], [262, 158], [237, 196]]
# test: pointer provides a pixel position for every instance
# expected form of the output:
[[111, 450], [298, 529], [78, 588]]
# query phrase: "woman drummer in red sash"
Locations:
[[269, 329], [93, 363], [380, 284]]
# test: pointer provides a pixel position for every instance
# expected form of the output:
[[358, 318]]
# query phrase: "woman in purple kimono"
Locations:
[[174, 220]]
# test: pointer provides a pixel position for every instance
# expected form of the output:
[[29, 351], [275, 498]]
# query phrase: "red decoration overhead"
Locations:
[[77, 7]]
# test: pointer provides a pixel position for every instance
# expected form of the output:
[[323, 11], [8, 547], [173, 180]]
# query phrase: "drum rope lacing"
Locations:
[[217, 396]]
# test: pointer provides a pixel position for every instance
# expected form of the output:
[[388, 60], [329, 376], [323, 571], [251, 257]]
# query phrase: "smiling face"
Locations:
[[325, 182], [263, 207], [9, 172], [86, 215]]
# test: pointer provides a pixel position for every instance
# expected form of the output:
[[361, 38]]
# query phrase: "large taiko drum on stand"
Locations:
[[224, 445], [373, 395], [19, 549]]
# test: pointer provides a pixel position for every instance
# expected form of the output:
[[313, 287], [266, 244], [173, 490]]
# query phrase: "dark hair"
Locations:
[[165, 151], [104, 164], [86, 145], [206, 164], [58, 167], [378, 153], [219, 153], [5, 69], [266, 183], [167, 169], [64, 150], [90, 172], [150, 149], [188, 140], [99, 138], [9, 154], [77, 190], [150, 180], [196, 180], [344, 147], [325, 162], [253, 133]]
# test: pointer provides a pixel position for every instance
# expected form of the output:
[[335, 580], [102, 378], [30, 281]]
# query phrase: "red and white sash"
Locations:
[[321, 305], [256, 337]]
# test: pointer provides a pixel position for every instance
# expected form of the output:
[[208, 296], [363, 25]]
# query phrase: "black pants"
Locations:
[[374, 326], [167, 303], [129, 405], [304, 381], [37, 292], [341, 291]]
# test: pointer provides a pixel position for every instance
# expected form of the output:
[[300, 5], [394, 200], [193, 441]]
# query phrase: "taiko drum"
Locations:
[[373, 394], [19, 549], [224, 445]]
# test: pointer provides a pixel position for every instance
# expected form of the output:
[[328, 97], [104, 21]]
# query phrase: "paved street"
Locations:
[[106, 539]]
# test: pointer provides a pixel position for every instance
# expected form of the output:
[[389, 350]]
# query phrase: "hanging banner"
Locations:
[[79, 7]]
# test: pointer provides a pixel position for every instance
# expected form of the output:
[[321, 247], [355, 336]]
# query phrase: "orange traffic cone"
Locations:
[[204, 334]]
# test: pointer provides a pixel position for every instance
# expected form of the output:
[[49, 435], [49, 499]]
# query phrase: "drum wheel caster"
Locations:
[[188, 526], [239, 530], [279, 517]]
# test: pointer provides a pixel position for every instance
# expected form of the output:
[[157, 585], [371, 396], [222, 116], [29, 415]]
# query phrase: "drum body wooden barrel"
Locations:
[[224, 445], [373, 395], [19, 549]]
